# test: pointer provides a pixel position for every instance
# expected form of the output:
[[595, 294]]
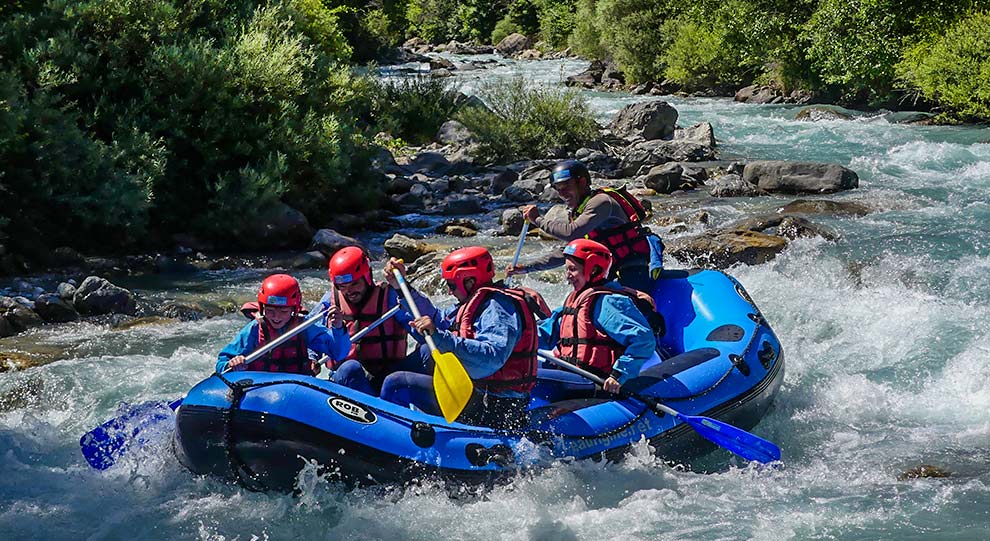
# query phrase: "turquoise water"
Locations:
[[886, 331]]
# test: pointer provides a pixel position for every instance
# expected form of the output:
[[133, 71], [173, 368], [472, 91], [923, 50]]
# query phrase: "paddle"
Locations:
[[522, 239], [451, 382], [726, 436], [103, 445]]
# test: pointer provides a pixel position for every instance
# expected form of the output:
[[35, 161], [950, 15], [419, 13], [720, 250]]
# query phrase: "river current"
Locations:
[[887, 340]]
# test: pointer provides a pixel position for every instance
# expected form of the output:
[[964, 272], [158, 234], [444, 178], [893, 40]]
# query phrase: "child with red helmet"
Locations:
[[492, 331], [279, 307], [599, 328], [362, 302]]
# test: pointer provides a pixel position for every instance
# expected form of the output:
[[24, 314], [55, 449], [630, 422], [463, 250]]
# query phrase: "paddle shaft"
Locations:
[[522, 239], [361, 334], [406, 294], [581, 372], [259, 353]]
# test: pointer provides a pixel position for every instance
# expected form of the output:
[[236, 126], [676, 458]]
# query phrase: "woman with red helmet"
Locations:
[[279, 306], [361, 302], [599, 327], [492, 331], [610, 216]]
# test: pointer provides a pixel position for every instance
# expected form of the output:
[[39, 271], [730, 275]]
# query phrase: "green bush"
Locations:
[[586, 39], [523, 122], [413, 109], [635, 37], [556, 21], [435, 21], [954, 69], [524, 15]]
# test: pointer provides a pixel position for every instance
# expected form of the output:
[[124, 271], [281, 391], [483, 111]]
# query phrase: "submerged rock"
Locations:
[[724, 248], [924, 471], [780, 176], [824, 206]]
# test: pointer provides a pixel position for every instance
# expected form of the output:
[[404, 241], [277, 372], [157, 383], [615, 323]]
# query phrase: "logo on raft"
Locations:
[[352, 411]]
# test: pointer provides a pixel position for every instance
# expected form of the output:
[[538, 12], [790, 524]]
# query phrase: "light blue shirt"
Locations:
[[616, 316], [497, 329], [404, 317], [333, 342]]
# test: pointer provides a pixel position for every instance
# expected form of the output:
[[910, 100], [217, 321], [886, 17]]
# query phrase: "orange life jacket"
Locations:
[[629, 238], [289, 357], [519, 371], [384, 345], [581, 342]]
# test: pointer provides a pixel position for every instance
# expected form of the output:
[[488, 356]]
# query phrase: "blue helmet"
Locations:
[[568, 169]]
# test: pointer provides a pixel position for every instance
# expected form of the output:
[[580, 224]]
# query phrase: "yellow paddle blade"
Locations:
[[451, 383]]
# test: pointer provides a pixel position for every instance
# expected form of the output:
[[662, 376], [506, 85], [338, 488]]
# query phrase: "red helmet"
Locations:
[[349, 264], [280, 290], [591, 254], [470, 262]]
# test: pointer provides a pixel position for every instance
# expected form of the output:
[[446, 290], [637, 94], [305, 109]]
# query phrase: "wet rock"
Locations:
[[647, 120], [512, 44], [398, 184], [424, 272], [24, 393], [665, 178], [910, 117], [18, 360], [328, 241], [789, 227], [815, 113], [98, 296], [512, 221], [778, 176], [308, 260], [824, 206], [733, 186], [757, 94], [173, 265], [652, 153], [122, 322], [6, 327], [439, 62], [924, 471], [460, 205], [18, 316], [502, 180], [724, 248], [458, 228], [54, 309], [588, 78], [406, 248], [410, 202]]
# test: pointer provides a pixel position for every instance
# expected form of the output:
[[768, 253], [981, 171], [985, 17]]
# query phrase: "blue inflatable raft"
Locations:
[[260, 427]]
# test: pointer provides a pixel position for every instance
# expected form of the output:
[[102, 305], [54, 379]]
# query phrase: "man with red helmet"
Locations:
[[361, 302], [492, 331], [610, 216], [599, 327], [279, 306]]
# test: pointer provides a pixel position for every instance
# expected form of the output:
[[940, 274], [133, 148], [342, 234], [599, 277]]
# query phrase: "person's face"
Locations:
[[571, 191], [353, 291], [574, 273], [278, 316], [461, 294]]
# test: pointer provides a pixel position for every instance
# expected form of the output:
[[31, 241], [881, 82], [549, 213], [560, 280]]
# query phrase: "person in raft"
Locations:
[[362, 302], [279, 307], [492, 331], [611, 216], [600, 327]]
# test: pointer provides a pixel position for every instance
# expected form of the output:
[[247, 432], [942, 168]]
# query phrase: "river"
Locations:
[[886, 333]]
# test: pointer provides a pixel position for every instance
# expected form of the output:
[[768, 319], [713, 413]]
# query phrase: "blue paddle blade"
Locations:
[[103, 445], [737, 440]]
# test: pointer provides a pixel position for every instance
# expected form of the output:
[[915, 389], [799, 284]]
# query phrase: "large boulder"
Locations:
[[647, 120], [824, 206], [280, 226], [701, 133], [776, 176], [329, 241], [17, 316], [588, 78], [454, 133], [97, 296], [657, 152], [758, 94], [461, 205], [724, 248], [512, 44], [665, 178], [406, 248], [53, 309]]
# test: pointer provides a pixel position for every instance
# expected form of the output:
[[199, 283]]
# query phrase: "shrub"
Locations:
[[635, 37], [556, 21], [433, 20], [586, 39], [528, 122], [524, 15], [413, 108], [954, 69]]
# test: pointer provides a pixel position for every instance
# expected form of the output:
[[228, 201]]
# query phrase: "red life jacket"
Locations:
[[629, 238], [288, 357], [386, 344], [519, 371], [581, 342]]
